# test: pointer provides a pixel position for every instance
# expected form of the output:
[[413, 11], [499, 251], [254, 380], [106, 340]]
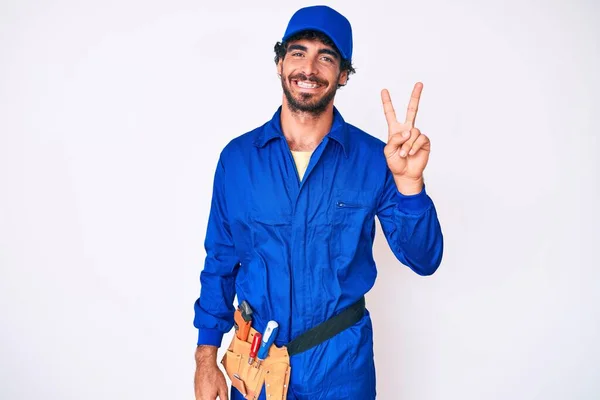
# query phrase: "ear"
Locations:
[[343, 78], [280, 67]]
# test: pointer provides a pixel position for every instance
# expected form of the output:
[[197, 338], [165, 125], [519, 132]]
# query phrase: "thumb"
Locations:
[[394, 144], [397, 139]]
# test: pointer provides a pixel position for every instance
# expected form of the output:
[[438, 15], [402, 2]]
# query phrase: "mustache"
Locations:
[[302, 77]]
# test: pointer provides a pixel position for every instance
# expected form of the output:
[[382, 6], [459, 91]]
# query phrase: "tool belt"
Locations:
[[274, 371]]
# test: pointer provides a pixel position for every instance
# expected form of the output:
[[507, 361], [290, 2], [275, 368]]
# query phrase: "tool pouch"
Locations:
[[274, 371]]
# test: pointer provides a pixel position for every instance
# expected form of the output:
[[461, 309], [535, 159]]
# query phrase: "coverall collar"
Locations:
[[272, 130]]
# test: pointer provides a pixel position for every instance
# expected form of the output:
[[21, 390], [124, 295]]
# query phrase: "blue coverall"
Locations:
[[301, 251]]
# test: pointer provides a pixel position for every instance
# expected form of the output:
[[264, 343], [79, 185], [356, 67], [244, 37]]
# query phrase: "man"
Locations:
[[291, 226]]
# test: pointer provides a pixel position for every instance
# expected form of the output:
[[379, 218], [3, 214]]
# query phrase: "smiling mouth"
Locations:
[[306, 84]]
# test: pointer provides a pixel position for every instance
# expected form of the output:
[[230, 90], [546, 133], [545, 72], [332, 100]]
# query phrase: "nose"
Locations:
[[309, 67]]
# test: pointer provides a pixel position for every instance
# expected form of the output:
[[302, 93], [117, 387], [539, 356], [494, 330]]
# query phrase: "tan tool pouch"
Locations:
[[274, 371]]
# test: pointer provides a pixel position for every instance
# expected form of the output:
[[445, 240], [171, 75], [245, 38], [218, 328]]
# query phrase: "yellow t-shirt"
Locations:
[[301, 158]]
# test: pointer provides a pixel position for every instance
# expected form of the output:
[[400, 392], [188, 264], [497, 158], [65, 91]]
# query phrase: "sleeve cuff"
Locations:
[[210, 337], [414, 203]]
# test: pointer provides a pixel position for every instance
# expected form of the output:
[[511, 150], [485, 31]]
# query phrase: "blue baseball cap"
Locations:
[[326, 20]]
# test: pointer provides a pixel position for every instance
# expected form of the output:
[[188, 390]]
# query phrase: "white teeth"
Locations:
[[307, 85]]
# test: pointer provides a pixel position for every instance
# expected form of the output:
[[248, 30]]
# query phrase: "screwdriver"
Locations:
[[254, 347], [267, 340]]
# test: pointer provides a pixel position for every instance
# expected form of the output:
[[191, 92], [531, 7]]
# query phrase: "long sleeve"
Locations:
[[411, 227], [214, 308]]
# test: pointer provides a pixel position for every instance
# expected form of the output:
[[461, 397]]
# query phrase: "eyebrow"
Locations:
[[330, 52], [321, 51], [296, 47]]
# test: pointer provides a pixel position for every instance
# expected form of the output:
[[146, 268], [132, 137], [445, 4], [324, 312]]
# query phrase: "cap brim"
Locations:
[[318, 29]]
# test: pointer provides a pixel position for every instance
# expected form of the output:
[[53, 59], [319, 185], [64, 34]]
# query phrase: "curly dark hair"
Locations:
[[281, 49]]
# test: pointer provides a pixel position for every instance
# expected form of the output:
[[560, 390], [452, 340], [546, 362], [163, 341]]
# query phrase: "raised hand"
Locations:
[[407, 150]]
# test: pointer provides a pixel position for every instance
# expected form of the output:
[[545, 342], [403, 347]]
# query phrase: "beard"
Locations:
[[307, 102]]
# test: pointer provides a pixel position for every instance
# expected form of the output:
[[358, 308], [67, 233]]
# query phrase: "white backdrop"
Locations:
[[112, 116]]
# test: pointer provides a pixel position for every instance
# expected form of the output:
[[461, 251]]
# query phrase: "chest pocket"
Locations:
[[347, 204], [352, 216]]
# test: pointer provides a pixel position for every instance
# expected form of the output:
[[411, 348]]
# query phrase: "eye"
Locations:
[[328, 59], [296, 54]]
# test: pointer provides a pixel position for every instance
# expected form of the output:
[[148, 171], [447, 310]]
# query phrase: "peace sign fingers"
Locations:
[[411, 112]]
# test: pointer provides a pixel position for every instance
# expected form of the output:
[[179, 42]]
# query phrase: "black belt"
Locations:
[[327, 329]]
